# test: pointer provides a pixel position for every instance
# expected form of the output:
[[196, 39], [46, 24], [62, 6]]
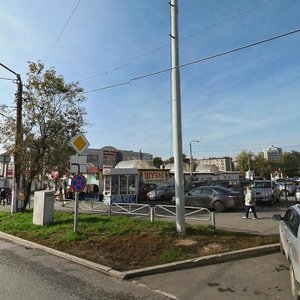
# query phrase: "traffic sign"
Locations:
[[79, 143], [78, 183], [78, 164]]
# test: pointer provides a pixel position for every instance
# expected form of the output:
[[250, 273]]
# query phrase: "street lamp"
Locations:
[[197, 140]]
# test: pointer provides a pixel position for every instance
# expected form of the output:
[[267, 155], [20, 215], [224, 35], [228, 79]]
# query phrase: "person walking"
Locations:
[[3, 196], [249, 204]]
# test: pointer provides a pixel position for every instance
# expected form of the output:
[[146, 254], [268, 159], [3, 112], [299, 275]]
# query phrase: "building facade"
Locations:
[[273, 154], [109, 157], [224, 164]]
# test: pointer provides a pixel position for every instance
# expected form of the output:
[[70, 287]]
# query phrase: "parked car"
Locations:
[[265, 191], [194, 184], [290, 244], [162, 192], [286, 188], [144, 189], [297, 194], [215, 197]]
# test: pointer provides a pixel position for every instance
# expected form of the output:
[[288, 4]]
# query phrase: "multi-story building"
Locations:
[[273, 154], [109, 157], [223, 164]]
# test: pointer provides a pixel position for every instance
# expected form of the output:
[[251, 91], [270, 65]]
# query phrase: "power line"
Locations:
[[220, 54], [107, 87], [63, 29], [4, 78], [260, 144], [198, 60], [181, 39], [227, 20]]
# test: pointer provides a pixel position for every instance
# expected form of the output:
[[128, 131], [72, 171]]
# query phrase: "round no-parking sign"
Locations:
[[78, 183]]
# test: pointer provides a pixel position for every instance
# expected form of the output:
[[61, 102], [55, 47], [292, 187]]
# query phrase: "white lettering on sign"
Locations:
[[154, 176]]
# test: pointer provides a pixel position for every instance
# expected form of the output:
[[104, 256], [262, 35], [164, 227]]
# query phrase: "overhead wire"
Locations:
[[259, 144], [198, 60], [227, 20], [4, 78], [181, 39], [61, 32], [239, 148]]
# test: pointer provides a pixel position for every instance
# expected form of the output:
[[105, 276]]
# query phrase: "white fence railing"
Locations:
[[145, 210]]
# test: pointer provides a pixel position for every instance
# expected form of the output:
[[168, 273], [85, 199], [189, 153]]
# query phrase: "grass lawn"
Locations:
[[126, 243]]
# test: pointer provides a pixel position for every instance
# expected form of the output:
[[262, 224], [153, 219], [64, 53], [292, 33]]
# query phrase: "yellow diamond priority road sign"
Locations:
[[79, 143]]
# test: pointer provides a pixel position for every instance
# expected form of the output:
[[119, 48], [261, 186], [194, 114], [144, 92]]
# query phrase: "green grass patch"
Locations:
[[126, 243]]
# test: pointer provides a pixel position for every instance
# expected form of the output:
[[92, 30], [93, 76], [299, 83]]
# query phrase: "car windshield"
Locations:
[[161, 187], [264, 184], [222, 190]]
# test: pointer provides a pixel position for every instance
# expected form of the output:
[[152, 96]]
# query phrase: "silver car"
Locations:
[[265, 191], [286, 188], [290, 244], [162, 192], [215, 197]]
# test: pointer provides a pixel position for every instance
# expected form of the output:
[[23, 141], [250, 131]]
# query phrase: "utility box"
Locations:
[[43, 208]]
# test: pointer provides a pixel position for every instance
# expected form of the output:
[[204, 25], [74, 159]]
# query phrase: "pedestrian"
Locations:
[[249, 204], [3, 196]]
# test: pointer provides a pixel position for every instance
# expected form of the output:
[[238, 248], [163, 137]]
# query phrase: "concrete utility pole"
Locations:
[[18, 143], [176, 120], [18, 147]]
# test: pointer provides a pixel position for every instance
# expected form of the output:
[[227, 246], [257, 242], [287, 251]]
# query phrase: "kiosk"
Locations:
[[120, 186]]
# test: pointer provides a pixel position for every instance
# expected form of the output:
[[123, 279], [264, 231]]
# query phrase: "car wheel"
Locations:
[[219, 206], [284, 193], [295, 295]]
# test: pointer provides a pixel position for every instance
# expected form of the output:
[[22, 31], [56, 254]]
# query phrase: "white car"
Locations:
[[290, 244], [297, 194]]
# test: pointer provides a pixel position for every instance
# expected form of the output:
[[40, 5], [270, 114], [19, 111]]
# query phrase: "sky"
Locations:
[[245, 100]]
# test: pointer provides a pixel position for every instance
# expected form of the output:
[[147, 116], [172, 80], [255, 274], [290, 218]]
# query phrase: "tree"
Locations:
[[52, 115], [261, 165], [157, 162], [291, 163], [244, 161], [171, 159]]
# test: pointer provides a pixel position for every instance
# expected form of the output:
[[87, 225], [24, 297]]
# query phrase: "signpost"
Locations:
[[78, 184]]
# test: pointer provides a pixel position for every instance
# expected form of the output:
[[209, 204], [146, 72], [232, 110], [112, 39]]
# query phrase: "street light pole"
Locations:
[[191, 156], [176, 121], [18, 142]]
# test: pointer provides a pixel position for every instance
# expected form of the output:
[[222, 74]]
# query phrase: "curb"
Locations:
[[175, 266], [204, 261]]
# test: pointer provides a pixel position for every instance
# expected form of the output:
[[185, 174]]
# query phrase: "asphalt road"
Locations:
[[264, 277], [27, 273], [32, 274]]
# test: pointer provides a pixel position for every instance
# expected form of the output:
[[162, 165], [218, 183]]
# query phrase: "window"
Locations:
[[115, 185], [207, 191], [196, 192], [291, 219]]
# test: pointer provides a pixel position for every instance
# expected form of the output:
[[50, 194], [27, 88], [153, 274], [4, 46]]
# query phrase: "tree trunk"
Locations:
[[27, 194]]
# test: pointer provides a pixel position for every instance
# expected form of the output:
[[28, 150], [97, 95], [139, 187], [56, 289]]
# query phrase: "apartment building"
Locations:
[[224, 164], [273, 154]]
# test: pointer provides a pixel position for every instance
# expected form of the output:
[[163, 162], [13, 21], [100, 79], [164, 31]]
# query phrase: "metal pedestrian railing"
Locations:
[[130, 209], [191, 213], [145, 210], [163, 211]]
